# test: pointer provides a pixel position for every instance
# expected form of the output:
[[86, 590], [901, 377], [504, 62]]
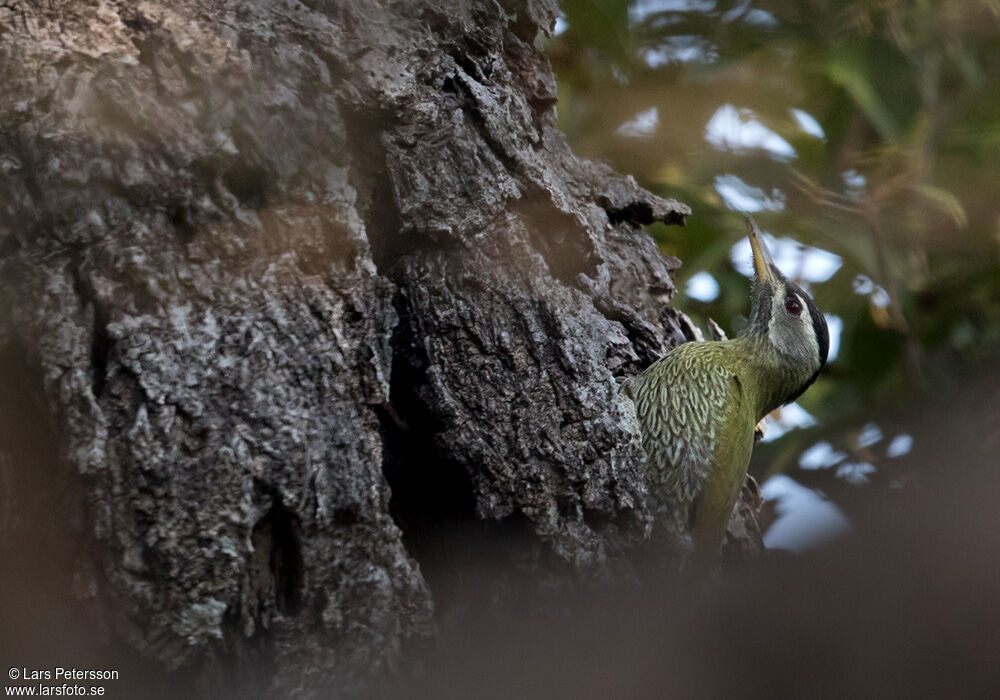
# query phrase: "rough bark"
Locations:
[[288, 277]]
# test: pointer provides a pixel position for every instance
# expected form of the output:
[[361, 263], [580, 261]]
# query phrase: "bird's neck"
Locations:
[[770, 380]]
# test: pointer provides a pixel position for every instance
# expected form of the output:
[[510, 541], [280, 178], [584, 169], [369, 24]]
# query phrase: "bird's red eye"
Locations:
[[793, 306]]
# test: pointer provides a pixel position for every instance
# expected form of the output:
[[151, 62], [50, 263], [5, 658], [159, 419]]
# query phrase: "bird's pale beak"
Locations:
[[762, 261]]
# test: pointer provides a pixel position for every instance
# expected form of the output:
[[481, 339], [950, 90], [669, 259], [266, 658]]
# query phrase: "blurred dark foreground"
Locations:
[[907, 606]]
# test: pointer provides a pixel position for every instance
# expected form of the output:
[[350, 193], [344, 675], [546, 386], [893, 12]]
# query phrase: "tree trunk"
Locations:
[[291, 289]]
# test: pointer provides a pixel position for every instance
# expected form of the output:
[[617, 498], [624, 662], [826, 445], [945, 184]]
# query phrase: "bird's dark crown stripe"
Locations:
[[822, 332]]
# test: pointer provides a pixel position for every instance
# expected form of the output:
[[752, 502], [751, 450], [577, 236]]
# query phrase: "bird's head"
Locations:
[[785, 322]]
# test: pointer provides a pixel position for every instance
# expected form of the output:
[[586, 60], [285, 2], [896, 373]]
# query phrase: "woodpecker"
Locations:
[[699, 405]]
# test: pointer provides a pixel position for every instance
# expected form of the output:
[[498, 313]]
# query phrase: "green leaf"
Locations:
[[603, 25], [944, 201], [847, 68]]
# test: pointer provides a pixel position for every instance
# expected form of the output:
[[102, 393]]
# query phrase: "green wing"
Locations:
[[691, 409]]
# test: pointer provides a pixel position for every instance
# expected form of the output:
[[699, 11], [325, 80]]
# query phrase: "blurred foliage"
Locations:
[[900, 179]]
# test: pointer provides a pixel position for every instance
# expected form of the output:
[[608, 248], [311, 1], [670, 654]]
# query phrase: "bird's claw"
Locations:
[[758, 432]]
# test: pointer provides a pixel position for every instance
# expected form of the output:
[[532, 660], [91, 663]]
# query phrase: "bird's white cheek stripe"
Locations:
[[805, 318], [810, 331]]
